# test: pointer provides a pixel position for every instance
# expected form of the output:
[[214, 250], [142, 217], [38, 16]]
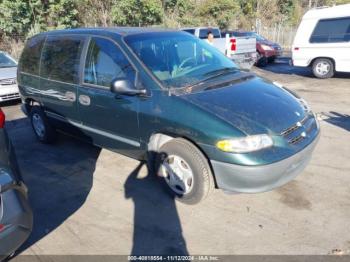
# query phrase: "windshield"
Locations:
[[178, 59], [6, 61]]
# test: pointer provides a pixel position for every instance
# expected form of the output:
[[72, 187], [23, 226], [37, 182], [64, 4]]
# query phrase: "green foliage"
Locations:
[[21, 18], [33, 16], [62, 14], [137, 12], [218, 12], [15, 16]]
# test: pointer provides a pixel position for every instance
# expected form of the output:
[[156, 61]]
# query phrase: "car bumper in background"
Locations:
[[245, 60], [255, 179], [9, 92]]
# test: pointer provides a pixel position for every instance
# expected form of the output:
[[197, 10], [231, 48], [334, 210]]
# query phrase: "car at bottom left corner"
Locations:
[[16, 217]]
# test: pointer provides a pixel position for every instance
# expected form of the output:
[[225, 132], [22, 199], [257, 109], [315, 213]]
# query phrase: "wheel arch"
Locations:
[[157, 140], [29, 103], [322, 57]]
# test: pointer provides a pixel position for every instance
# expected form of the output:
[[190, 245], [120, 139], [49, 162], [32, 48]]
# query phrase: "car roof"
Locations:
[[200, 27], [121, 31], [328, 12], [239, 32]]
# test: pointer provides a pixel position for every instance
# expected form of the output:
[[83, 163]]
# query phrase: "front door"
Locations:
[[109, 119]]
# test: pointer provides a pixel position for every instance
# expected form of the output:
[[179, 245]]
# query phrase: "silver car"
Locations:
[[8, 82]]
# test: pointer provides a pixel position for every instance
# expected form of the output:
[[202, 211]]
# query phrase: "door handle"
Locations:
[[70, 96], [84, 100]]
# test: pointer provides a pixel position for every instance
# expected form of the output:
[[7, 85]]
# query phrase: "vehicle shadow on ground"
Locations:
[[337, 119], [282, 66], [59, 177], [157, 226]]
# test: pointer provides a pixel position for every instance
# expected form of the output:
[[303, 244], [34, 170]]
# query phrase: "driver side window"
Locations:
[[105, 62]]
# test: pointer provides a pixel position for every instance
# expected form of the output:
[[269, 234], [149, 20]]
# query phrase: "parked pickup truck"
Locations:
[[267, 50], [242, 50]]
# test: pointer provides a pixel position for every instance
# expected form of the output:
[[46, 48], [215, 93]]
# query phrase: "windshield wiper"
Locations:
[[214, 74], [221, 71]]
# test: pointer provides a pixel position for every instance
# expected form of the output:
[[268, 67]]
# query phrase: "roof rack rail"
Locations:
[[321, 7]]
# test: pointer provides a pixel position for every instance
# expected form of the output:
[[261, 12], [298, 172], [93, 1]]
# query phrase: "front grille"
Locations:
[[9, 96], [299, 131], [294, 127], [8, 81]]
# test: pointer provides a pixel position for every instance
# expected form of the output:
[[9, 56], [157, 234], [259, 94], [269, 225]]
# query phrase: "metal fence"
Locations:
[[284, 35]]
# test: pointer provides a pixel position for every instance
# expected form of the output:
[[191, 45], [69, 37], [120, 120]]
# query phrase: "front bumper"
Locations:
[[8, 93], [255, 179]]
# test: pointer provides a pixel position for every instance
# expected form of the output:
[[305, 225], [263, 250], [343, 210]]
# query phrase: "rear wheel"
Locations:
[[41, 126], [185, 171], [323, 68]]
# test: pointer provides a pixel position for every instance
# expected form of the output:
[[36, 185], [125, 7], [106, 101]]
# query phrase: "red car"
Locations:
[[267, 50]]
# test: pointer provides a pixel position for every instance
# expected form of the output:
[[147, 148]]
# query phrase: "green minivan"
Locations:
[[169, 98]]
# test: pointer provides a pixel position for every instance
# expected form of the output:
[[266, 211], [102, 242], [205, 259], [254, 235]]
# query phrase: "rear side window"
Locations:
[[61, 58], [30, 58], [331, 31], [106, 62], [203, 33]]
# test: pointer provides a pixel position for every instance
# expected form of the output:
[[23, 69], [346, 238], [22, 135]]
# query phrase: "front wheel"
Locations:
[[262, 61], [323, 68], [185, 171]]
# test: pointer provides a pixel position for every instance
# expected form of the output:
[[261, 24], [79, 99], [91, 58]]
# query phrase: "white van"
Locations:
[[323, 41]]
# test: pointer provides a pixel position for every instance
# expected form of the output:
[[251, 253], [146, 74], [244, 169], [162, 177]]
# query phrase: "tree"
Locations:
[[218, 12], [30, 17], [62, 14], [137, 12], [179, 13], [15, 17]]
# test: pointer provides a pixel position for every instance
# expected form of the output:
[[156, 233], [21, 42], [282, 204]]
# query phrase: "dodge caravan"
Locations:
[[171, 99]]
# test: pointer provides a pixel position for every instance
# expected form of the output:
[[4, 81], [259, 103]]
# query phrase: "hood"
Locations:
[[269, 43], [8, 72], [253, 106]]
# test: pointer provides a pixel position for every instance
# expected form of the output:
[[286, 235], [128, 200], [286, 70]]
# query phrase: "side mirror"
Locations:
[[123, 86]]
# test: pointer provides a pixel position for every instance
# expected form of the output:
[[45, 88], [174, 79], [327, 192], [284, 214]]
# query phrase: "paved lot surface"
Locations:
[[92, 201]]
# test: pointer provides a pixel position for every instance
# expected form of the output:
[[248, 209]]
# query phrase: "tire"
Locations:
[[323, 68], [42, 128], [262, 61], [191, 160], [272, 59]]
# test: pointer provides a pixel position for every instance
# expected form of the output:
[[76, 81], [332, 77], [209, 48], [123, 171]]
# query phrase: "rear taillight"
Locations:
[[2, 119], [2, 227], [233, 44], [296, 48]]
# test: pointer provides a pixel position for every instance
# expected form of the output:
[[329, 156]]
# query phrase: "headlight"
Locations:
[[305, 105], [245, 144], [266, 47]]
